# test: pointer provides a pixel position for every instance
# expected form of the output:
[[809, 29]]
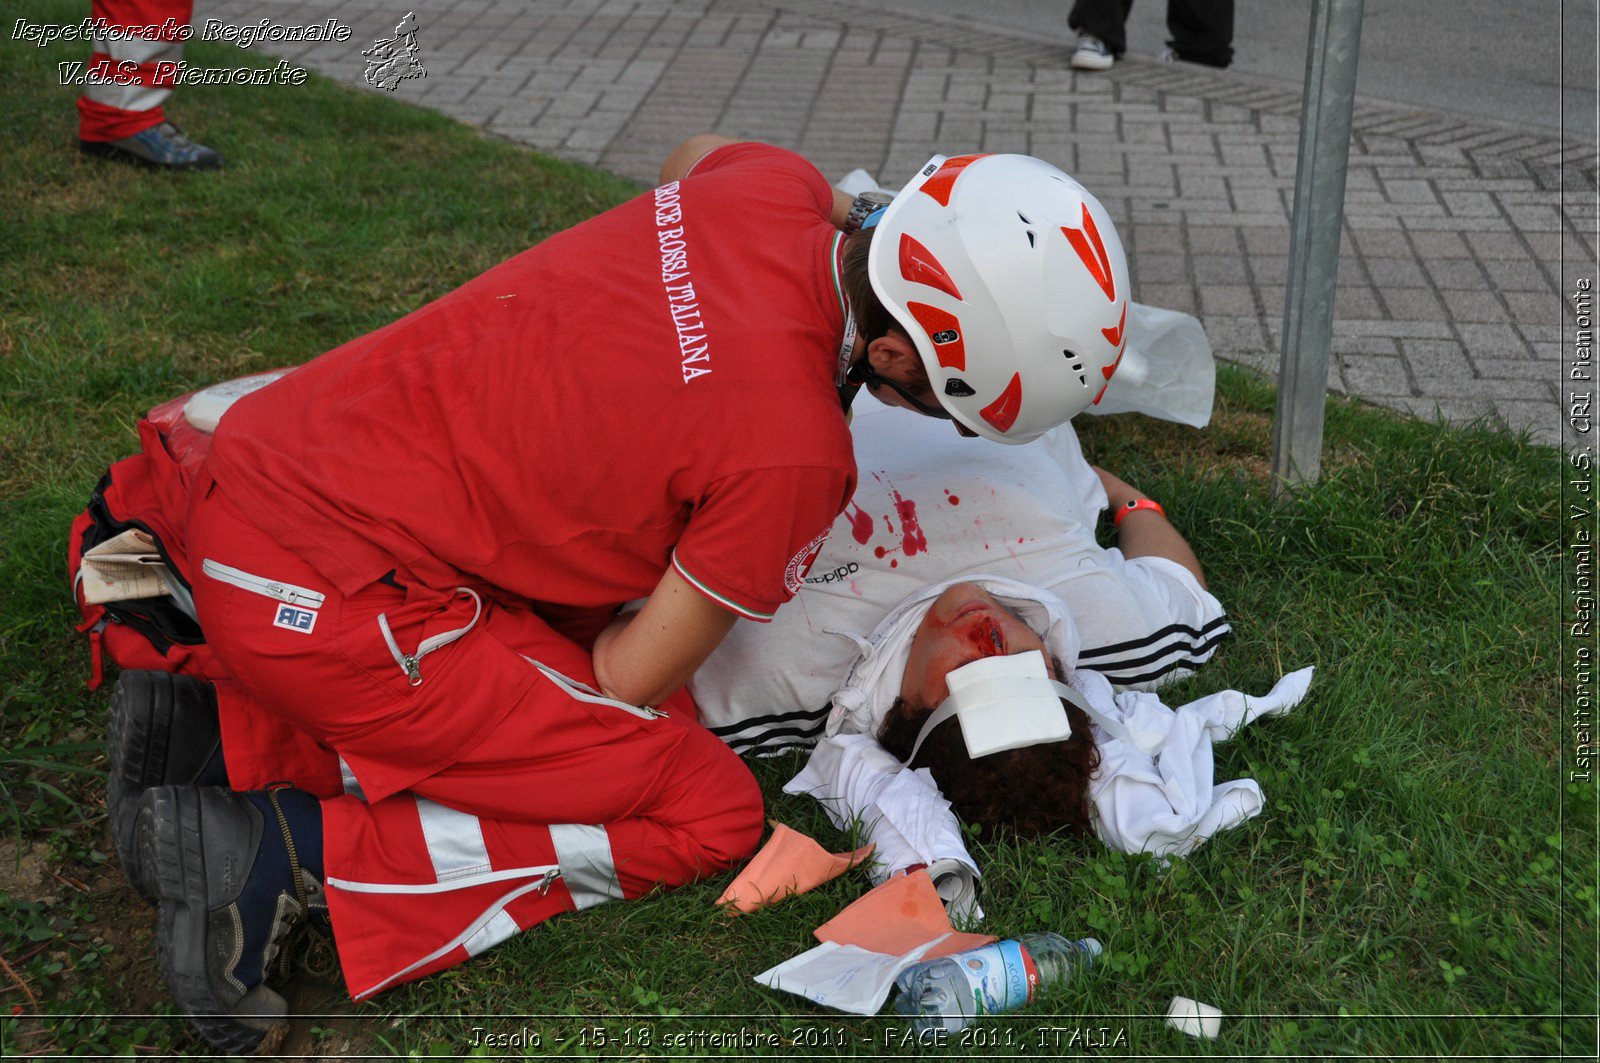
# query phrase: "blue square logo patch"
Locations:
[[301, 620]]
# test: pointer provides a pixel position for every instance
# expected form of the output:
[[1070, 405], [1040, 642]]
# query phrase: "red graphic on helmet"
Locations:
[[1109, 371], [945, 331], [1093, 252], [944, 179], [918, 266], [1002, 412], [1114, 335]]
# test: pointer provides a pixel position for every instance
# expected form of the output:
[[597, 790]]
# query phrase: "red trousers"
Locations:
[[473, 782], [139, 69]]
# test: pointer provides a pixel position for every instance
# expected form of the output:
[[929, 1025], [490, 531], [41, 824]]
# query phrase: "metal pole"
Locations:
[[1314, 240]]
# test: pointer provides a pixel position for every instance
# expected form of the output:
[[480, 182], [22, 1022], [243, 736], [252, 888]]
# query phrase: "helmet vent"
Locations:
[[1077, 367], [1028, 222]]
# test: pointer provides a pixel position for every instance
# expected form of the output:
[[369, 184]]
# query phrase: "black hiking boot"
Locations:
[[234, 873], [163, 730]]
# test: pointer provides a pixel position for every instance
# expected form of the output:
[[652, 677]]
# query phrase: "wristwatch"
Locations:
[[865, 204]]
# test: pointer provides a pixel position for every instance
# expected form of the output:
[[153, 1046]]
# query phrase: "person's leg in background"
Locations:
[[1202, 31], [1102, 33], [120, 116]]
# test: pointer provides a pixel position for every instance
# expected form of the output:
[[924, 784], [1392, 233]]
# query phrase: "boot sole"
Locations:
[[136, 743], [102, 150], [172, 856], [140, 732]]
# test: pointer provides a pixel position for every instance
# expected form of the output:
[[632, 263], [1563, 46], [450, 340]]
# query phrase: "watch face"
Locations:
[[877, 199]]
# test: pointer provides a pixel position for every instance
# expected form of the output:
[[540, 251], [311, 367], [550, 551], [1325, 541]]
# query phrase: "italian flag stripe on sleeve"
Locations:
[[721, 599]]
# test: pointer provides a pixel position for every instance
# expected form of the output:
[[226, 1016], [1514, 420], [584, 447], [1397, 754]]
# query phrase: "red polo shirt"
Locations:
[[651, 387]]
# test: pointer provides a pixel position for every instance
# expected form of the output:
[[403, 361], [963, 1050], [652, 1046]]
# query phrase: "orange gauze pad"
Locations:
[[897, 917], [788, 864]]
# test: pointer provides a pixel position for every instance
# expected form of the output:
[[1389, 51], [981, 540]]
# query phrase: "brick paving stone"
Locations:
[[1374, 375], [1356, 302], [1227, 299], [1271, 241], [1451, 274], [1466, 306], [1412, 304], [1379, 345], [1396, 272], [1437, 245], [1174, 297]]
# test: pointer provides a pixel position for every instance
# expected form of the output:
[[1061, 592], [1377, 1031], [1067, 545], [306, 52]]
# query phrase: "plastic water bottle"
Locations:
[[952, 992]]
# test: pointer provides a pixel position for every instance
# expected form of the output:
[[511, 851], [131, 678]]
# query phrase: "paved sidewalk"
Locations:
[[1451, 289]]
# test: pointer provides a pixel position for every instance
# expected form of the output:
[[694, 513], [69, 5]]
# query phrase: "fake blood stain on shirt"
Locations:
[[912, 539], [860, 524]]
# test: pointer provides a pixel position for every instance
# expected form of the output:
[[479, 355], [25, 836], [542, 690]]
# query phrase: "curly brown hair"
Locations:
[[1032, 791]]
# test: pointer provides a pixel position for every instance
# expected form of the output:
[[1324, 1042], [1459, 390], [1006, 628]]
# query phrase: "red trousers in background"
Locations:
[[112, 111], [468, 793]]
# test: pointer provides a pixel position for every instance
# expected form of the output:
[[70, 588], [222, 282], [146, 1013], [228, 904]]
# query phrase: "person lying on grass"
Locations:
[[957, 551]]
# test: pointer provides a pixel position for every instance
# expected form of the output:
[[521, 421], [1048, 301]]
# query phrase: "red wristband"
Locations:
[[1135, 505]]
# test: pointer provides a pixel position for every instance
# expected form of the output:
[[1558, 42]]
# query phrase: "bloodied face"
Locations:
[[964, 624]]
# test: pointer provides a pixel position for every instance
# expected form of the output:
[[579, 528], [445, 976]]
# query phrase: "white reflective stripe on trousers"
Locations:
[[499, 927], [455, 841], [587, 868], [352, 785], [133, 97], [480, 933]]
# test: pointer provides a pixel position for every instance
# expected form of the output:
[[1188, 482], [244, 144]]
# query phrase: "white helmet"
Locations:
[[1010, 279]]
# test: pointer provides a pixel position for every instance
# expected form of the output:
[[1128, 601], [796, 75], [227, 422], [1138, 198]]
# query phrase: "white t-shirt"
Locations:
[[930, 506]]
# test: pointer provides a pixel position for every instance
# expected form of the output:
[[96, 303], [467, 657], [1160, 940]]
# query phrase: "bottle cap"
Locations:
[[1194, 1018]]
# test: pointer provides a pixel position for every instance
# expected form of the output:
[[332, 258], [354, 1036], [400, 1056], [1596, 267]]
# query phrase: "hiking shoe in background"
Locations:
[[1092, 54], [161, 147]]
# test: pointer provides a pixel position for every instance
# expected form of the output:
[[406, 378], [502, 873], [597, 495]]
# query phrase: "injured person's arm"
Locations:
[[1144, 531]]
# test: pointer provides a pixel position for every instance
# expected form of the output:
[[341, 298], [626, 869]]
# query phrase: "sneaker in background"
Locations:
[[1092, 54], [161, 147]]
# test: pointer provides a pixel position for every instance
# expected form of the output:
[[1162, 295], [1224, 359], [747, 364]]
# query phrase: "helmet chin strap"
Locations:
[[869, 376]]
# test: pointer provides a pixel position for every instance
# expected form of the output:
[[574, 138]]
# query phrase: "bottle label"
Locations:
[[1002, 976]]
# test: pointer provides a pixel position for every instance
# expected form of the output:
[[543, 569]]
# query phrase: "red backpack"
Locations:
[[148, 491]]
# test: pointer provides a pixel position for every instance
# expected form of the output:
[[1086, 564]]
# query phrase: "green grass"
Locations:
[[1408, 890]]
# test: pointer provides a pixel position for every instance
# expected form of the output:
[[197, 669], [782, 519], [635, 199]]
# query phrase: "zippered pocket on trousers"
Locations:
[[303, 597]]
